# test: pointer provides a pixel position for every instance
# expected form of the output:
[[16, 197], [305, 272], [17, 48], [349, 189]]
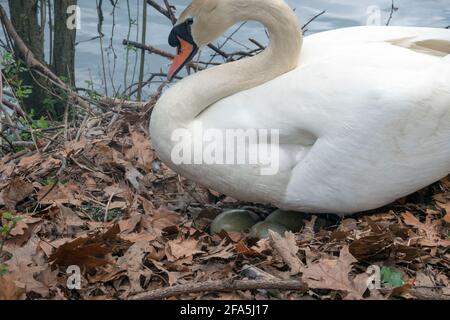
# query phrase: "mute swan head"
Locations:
[[199, 24], [203, 21]]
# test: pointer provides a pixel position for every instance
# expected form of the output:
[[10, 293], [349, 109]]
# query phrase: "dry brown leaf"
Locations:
[[374, 247], [74, 146], [30, 161], [68, 217], [22, 254], [23, 267], [447, 217], [81, 252], [140, 152], [23, 226], [182, 248], [129, 225], [88, 252], [446, 207], [133, 263], [222, 251], [333, 274], [60, 194], [162, 219], [241, 248], [287, 248], [117, 191], [25, 278], [428, 230], [16, 191], [10, 289]]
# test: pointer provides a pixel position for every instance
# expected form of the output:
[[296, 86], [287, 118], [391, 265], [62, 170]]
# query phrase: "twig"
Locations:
[[259, 45], [108, 206], [221, 286], [169, 10], [391, 15], [312, 19], [142, 66], [157, 51]]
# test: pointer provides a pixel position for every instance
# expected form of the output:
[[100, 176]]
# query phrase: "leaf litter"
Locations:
[[107, 204]]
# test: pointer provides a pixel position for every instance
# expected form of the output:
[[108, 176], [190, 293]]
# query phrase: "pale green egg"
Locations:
[[261, 229], [290, 219], [234, 221]]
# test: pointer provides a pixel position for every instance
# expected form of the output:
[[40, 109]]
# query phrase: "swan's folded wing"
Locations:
[[431, 41]]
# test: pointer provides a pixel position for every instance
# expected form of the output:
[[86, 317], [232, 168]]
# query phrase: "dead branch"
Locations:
[[33, 63], [312, 19], [222, 286], [391, 14], [157, 51]]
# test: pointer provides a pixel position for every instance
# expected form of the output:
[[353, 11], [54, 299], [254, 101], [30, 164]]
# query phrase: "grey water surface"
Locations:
[[116, 27]]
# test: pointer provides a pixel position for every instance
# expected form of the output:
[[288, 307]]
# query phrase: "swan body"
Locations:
[[363, 113]]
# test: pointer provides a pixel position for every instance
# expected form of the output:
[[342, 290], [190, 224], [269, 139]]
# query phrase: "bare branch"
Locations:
[[222, 286]]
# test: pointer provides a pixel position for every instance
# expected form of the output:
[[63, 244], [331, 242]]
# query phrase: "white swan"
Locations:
[[363, 113]]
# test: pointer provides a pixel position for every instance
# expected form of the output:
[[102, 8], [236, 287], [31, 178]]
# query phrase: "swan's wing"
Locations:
[[431, 41], [388, 130], [360, 124]]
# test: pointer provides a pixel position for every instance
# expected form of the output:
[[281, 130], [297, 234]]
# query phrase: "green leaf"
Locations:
[[3, 270], [391, 278], [8, 216]]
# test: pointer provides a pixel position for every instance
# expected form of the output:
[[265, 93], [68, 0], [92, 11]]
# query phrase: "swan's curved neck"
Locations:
[[187, 99]]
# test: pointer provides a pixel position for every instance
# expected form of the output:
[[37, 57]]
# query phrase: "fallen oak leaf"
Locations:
[[24, 229], [182, 248], [287, 248], [372, 247], [447, 217], [28, 162], [133, 263], [333, 274], [60, 194], [10, 289], [220, 252], [23, 267], [242, 249], [428, 230], [89, 252], [16, 191], [68, 217], [81, 252], [141, 151], [403, 291], [161, 219], [25, 278]]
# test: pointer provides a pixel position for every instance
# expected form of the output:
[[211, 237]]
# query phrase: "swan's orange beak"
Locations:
[[186, 51]]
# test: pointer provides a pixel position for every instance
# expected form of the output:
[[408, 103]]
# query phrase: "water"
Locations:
[[340, 13]]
